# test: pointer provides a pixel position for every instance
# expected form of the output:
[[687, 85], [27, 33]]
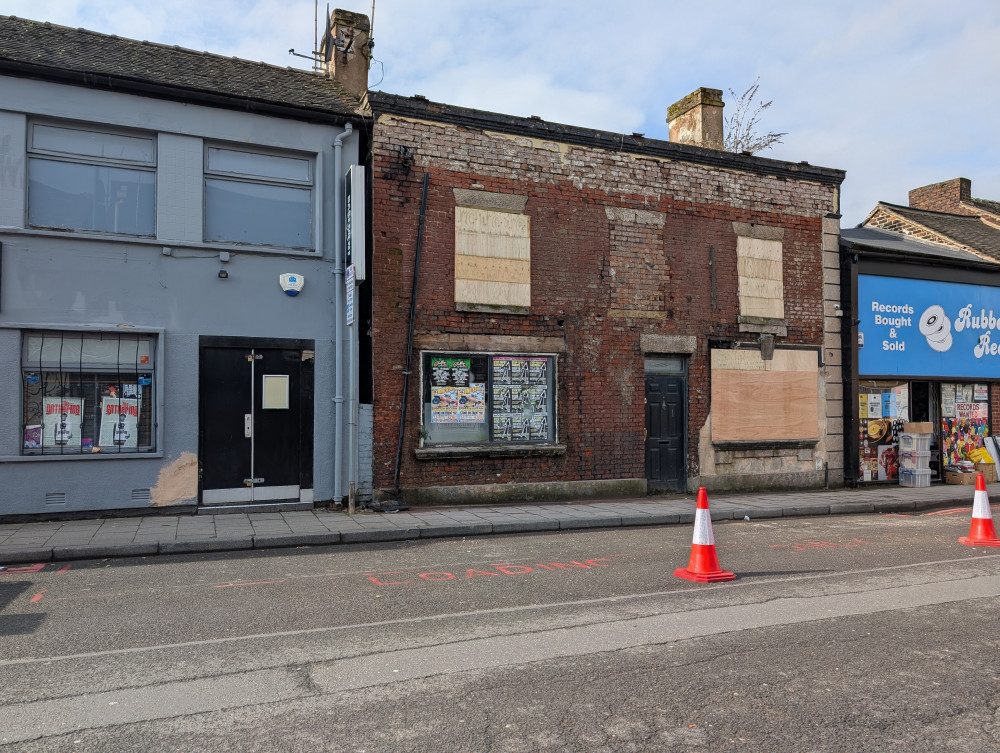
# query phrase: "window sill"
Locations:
[[492, 308], [79, 457], [765, 444], [446, 452], [213, 247]]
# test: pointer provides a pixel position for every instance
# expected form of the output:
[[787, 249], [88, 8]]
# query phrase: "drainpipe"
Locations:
[[339, 312]]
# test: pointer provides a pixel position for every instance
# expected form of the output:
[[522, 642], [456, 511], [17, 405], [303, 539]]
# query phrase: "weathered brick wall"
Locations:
[[943, 197], [662, 282]]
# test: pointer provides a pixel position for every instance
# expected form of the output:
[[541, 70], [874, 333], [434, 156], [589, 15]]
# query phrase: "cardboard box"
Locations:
[[953, 477], [919, 427], [989, 472]]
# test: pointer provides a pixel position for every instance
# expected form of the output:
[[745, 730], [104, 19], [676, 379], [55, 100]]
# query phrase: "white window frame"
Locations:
[[68, 156], [235, 176]]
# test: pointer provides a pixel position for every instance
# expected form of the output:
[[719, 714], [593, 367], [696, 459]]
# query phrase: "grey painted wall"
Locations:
[[168, 284]]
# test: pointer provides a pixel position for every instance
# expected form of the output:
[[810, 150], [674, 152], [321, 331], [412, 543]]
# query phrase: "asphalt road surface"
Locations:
[[860, 634]]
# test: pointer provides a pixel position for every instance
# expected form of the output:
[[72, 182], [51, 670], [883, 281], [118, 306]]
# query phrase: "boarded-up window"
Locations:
[[754, 399], [492, 257], [761, 291]]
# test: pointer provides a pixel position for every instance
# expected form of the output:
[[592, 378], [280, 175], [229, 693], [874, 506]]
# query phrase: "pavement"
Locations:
[[45, 541]]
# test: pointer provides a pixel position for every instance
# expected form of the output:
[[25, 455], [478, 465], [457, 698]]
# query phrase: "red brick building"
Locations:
[[597, 314]]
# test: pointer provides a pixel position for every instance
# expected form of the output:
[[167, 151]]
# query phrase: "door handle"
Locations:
[[248, 425]]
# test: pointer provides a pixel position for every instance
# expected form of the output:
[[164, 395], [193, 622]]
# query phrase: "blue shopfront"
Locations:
[[925, 342]]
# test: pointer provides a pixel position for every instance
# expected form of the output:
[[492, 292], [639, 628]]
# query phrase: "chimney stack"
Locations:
[[346, 51], [697, 119], [943, 197]]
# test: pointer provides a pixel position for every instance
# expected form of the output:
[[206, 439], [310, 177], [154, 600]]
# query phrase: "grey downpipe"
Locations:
[[409, 336], [339, 312]]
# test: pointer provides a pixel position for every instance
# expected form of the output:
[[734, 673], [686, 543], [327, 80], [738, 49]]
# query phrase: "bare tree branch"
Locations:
[[741, 127]]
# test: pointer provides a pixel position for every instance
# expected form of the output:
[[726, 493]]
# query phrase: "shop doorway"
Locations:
[[666, 423], [255, 427]]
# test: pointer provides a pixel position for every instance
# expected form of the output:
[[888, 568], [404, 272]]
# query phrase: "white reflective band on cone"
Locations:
[[703, 528], [981, 506]]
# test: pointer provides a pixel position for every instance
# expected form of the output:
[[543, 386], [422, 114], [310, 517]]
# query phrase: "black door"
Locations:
[[252, 444], [665, 456]]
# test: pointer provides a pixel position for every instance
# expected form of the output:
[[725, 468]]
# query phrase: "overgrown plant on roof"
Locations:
[[742, 135]]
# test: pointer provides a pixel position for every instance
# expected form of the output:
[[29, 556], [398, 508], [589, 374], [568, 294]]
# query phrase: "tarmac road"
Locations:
[[847, 633]]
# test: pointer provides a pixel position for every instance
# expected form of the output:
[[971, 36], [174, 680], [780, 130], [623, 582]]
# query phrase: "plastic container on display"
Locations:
[[915, 460], [914, 442], [915, 478]]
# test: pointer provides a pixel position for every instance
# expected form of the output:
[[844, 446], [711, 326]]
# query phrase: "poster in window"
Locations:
[[119, 422], [863, 406], [444, 405], [902, 402], [472, 404], [62, 421], [450, 372], [875, 405], [981, 393], [948, 400]]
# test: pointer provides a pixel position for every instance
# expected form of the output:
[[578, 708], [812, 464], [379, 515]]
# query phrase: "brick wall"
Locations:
[[600, 279], [943, 197]]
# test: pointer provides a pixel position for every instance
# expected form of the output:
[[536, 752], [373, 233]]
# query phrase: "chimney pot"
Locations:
[[697, 119]]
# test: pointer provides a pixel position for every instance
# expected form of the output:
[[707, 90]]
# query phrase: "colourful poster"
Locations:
[[472, 404], [119, 422], [62, 422], [960, 436], [862, 406], [444, 405], [450, 371]]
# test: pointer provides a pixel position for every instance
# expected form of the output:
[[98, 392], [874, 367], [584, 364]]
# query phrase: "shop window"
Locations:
[[760, 278], [87, 393], [492, 258], [258, 199], [965, 414], [91, 180], [471, 398], [883, 408]]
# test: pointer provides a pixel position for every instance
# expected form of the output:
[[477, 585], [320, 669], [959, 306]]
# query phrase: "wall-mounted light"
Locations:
[[223, 274]]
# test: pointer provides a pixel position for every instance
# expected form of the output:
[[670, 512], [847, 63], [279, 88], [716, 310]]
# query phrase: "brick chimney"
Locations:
[[943, 197], [346, 51], [697, 119]]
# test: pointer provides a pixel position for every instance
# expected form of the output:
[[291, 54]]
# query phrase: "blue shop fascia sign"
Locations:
[[923, 328]]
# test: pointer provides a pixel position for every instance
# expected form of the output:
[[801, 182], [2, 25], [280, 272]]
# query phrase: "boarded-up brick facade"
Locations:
[[633, 255]]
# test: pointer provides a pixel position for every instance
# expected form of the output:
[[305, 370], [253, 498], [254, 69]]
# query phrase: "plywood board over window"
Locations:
[[492, 257], [754, 399], [760, 278]]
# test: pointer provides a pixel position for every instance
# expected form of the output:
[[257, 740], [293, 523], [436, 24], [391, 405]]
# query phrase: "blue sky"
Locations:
[[899, 93]]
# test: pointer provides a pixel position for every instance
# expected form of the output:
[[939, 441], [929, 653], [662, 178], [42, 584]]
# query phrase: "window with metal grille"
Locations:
[[87, 393]]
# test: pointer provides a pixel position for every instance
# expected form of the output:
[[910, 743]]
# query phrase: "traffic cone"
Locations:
[[982, 532], [704, 564]]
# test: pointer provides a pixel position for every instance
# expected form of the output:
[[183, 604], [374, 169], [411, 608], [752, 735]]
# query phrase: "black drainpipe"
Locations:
[[409, 337]]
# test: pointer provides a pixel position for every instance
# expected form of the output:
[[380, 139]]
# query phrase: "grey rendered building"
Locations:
[[171, 279]]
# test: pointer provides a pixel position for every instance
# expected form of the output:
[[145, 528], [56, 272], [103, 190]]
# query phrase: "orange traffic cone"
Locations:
[[704, 564], [982, 532]]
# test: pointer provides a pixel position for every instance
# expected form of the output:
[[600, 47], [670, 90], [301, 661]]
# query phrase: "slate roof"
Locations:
[[87, 58], [985, 205], [862, 238], [964, 230]]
